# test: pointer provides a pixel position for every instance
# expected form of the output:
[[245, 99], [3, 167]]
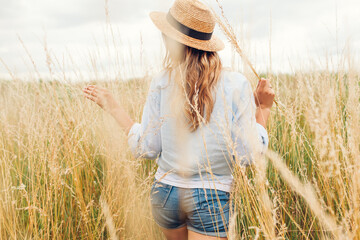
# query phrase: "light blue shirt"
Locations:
[[207, 157]]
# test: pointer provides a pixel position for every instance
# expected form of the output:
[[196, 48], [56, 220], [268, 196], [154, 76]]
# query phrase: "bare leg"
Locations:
[[176, 234], [198, 236]]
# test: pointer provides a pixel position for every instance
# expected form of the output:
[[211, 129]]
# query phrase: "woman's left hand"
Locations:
[[264, 94], [101, 96]]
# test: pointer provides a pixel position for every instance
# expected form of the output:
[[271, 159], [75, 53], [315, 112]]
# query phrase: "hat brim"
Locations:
[[212, 45]]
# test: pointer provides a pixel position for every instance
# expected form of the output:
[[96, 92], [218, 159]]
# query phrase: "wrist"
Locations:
[[262, 115], [264, 108], [113, 110], [122, 118], [128, 127]]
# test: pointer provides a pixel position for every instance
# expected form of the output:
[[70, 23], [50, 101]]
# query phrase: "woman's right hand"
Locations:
[[264, 94], [101, 96]]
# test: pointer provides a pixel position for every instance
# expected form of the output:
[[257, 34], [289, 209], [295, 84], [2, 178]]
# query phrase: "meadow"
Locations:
[[66, 171]]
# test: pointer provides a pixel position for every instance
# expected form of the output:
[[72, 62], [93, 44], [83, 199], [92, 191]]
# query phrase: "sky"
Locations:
[[88, 39]]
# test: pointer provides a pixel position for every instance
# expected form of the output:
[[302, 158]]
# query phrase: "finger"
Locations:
[[90, 87], [92, 98], [91, 92], [269, 91], [263, 83], [96, 89]]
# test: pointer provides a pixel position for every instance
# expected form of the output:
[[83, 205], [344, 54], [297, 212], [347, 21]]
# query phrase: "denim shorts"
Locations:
[[201, 210]]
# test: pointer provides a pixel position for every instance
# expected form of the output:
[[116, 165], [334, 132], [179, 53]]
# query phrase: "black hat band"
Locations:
[[186, 30]]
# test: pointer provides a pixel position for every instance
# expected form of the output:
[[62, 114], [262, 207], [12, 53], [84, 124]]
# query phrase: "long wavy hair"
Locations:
[[199, 74]]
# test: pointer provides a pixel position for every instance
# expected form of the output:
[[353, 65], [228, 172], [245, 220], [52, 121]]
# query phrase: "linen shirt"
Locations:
[[204, 158]]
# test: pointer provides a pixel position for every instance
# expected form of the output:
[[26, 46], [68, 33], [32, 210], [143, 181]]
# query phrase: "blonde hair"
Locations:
[[199, 73]]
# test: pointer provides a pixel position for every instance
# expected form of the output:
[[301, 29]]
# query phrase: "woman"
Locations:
[[198, 121]]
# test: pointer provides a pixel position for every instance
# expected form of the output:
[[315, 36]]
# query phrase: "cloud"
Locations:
[[297, 27]]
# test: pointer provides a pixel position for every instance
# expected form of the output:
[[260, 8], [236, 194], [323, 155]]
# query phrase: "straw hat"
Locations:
[[189, 22]]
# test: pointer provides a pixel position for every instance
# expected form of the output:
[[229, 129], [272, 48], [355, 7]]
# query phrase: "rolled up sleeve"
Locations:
[[249, 137], [264, 136], [134, 137], [144, 138]]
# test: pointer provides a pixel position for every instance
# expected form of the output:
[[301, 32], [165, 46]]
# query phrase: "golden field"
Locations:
[[67, 173]]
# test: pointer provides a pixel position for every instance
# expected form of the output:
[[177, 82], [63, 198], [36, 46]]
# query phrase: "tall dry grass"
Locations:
[[66, 171]]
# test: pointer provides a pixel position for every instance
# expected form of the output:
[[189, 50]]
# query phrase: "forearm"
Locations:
[[262, 116], [122, 118]]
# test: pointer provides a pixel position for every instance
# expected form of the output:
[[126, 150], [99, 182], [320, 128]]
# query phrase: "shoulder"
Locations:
[[240, 91], [235, 82], [159, 80]]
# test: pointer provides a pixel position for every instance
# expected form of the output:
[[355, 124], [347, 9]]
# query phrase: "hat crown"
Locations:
[[193, 14]]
